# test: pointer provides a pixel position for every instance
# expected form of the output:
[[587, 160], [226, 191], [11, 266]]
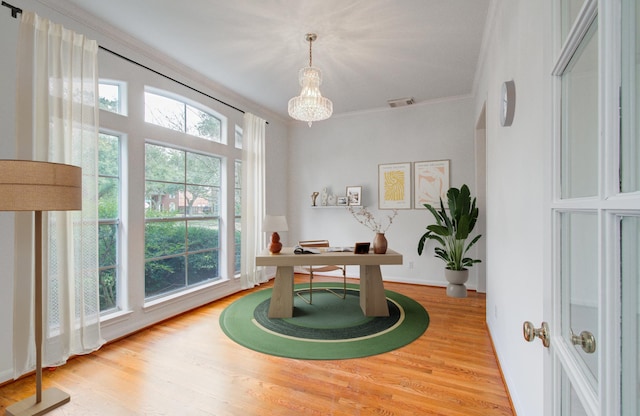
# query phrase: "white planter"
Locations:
[[456, 279]]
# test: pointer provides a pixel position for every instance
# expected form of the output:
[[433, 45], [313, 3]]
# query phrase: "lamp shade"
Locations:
[[275, 223], [27, 185]]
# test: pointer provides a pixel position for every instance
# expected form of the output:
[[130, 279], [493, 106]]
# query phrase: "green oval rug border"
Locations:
[[237, 323]]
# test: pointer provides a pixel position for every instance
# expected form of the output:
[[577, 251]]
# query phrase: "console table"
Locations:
[[372, 296]]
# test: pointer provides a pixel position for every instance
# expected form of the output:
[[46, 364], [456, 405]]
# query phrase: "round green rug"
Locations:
[[331, 328]]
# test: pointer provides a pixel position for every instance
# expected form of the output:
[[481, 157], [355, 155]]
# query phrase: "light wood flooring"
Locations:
[[187, 366]]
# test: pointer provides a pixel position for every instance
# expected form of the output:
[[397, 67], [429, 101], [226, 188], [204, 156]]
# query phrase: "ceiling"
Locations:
[[369, 51]]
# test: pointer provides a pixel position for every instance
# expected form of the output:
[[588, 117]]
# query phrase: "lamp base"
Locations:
[[51, 399], [275, 246]]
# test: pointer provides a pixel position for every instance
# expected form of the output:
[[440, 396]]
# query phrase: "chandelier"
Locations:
[[310, 105]]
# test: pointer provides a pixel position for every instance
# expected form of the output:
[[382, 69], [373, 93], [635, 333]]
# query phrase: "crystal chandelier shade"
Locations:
[[310, 105]]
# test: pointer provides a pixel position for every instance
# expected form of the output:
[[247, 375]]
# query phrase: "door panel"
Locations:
[[630, 267], [579, 275], [580, 120], [594, 284]]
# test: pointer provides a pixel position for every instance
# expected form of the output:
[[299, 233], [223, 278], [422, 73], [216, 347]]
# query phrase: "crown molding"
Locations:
[[115, 39]]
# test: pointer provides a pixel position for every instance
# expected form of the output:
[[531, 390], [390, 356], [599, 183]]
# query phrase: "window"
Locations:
[[182, 240], [238, 216], [171, 245], [238, 138], [111, 96], [109, 214], [180, 116]]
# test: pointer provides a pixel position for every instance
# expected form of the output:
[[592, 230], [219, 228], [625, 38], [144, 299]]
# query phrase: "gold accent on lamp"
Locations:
[[39, 186], [275, 223], [310, 105]]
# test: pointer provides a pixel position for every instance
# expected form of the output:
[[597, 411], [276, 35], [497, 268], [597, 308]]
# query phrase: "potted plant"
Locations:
[[451, 232]]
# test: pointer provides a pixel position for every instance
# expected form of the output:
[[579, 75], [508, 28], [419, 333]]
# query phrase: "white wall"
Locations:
[[518, 48], [346, 150], [276, 167]]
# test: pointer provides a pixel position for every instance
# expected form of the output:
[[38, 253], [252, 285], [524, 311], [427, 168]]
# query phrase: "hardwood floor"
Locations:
[[187, 366]]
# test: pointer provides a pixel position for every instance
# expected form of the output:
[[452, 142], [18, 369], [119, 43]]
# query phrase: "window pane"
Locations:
[[630, 125], [165, 238], [630, 269], [571, 404], [579, 274], [238, 218], [238, 174], [110, 97], [107, 249], [164, 200], [238, 244], [238, 138], [164, 276], [203, 124], [202, 200], [164, 111], [203, 267], [109, 219], [580, 121], [109, 155], [108, 193], [164, 163], [570, 10], [238, 202], [108, 289], [203, 235], [202, 169]]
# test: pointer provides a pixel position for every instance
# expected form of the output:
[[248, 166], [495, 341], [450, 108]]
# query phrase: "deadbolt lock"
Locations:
[[586, 340], [530, 332]]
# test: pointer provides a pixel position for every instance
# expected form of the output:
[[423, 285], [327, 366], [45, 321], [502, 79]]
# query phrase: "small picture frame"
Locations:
[[361, 248], [354, 195], [342, 201]]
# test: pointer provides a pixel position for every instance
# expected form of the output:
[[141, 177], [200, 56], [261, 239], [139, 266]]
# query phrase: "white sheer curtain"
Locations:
[[57, 121], [253, 201]]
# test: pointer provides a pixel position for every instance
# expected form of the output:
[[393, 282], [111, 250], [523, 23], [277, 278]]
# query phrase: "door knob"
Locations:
[[586, 340], [530, 332]]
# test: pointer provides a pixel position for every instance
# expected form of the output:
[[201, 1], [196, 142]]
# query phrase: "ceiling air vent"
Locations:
[[401, 102]]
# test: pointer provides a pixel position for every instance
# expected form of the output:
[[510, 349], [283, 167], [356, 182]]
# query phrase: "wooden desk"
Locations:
[[372, 297]]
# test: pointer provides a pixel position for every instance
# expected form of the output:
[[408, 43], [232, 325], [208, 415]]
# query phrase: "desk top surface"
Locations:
[[287, 258]]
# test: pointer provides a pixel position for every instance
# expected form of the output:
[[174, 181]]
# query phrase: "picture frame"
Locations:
[[431, 182], [361, 248], [354, 195], [394, 186], [342, 201]]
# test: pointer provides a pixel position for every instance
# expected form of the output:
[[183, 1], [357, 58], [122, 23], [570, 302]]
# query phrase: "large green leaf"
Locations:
[[453, 226]]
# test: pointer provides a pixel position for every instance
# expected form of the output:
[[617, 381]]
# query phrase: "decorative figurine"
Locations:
[[314, 196]]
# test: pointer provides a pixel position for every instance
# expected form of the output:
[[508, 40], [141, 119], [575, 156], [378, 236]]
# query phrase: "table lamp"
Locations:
[[275, 223], [39, 186]]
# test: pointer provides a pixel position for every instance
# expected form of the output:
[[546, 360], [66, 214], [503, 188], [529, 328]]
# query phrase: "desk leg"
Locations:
[[373, 300], [281, 305]]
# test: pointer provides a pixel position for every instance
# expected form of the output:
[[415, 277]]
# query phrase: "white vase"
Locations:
[[456, 279]]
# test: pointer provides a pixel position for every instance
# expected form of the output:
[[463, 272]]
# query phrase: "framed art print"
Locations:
[[431, 182], [394, 186], [354, 195]]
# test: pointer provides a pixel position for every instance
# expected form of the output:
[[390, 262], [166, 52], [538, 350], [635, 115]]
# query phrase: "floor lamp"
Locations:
[[39, 186]]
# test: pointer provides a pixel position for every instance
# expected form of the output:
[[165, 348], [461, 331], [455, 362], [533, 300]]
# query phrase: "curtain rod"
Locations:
[[16, 10]]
